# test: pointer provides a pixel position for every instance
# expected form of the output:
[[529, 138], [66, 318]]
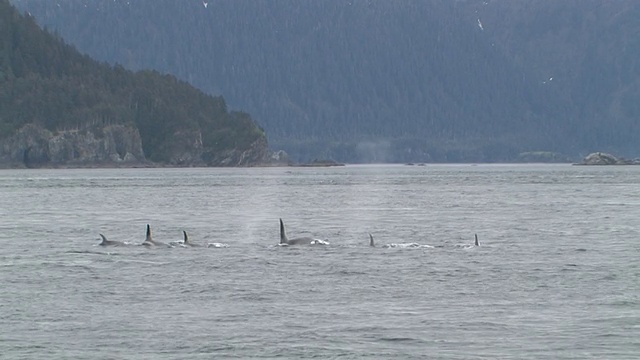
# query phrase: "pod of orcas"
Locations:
[[150, 242], [284, 241]]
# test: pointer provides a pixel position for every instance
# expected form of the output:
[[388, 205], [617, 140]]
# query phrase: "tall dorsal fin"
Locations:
[[148, 234], [283, 234], [186, 238], [476, 242], [104, 239], [371, 243]]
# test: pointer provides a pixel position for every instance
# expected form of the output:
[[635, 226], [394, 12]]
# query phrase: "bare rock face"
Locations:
[[126, 142], [187, 149], [600, 158], [257, 154], [280, 158], [34, 146]]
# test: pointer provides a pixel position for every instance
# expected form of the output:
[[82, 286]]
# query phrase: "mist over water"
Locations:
[[374, 152], [556, 275]]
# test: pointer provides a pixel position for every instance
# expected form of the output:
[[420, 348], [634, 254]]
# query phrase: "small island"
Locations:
[[600, 158]]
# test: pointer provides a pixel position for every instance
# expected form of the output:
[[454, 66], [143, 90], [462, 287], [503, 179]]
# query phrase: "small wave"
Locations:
[[90, 252], [351, 272], [144, 262], [625, 303], [407, 246], [569, 267], [397, 339]]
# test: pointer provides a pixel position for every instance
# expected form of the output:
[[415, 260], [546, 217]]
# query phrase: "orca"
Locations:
[[186, 241], [469, 246], [148, 241], [106, 242], [298, 241], [400, 246]]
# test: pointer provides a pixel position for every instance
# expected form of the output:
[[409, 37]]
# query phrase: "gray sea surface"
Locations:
[[556, 275]]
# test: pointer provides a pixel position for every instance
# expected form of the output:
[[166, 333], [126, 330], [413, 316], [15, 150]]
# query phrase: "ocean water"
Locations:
[[557, 274]]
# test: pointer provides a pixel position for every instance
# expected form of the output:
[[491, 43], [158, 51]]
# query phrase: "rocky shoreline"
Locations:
[[319, 163], [120, 146]]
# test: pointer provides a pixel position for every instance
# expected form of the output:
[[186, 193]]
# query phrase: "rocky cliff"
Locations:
[[117, 145], [187, 150], [34, 146], [257, 154]]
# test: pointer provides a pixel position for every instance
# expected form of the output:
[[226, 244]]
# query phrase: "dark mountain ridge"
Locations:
[[61, 108], [377, 80]]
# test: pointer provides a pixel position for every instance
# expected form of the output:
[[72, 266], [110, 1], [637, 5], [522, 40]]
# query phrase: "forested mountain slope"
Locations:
[[59, 107], [589, 52], [378, 80]]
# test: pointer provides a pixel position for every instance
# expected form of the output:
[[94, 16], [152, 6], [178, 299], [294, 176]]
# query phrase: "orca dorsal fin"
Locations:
[[283, 234], [476, 243], [371, 243], [186, 238], [148, 234], [104, 239]]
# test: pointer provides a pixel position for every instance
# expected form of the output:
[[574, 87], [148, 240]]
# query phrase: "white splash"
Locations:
[[217, 245], [480, 25], [319, 242]]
